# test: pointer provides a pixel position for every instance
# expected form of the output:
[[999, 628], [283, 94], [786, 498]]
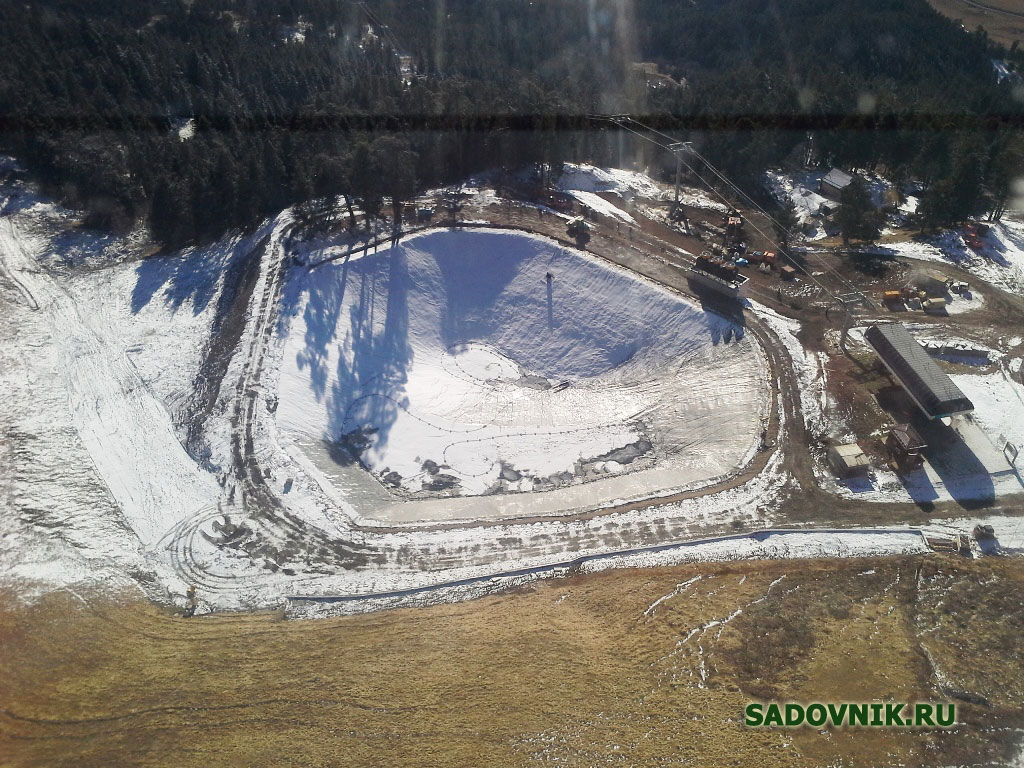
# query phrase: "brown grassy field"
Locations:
[[576, 672], [1000, 26]]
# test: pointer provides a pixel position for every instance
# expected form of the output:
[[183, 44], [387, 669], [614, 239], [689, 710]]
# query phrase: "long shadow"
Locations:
[[718, 304], [474, 273], [373, 370], [551, 303], [324, 292], [189, 275], [962, 474]]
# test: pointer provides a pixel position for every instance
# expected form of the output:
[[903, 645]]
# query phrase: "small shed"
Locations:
[[906, 448], [833, 183], [848, 460]]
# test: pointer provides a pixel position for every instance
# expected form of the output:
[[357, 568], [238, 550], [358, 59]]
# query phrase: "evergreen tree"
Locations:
[[857, 217]]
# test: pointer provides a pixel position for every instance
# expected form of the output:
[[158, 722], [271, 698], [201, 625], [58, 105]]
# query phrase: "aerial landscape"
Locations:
[[430, 382]]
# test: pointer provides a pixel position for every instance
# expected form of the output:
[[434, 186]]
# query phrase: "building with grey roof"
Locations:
[[833, 183], [911, 365]]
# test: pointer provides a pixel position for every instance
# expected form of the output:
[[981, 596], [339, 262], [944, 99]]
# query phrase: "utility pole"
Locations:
[[677, 149]]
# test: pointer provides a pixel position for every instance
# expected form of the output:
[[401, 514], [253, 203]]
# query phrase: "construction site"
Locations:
[[562, 370], [532, 387]]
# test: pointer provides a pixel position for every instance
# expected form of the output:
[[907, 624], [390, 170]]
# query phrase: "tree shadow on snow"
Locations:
[[191, 276], [371, 376]]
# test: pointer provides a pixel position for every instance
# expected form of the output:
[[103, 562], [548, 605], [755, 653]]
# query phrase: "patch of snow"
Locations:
[[998, 404], [999, 262], [801, 190], [184, 128], [599, 205], [588, 178]]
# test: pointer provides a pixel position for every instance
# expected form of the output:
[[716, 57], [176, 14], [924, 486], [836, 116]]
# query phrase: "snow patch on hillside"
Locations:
[[626, 184]]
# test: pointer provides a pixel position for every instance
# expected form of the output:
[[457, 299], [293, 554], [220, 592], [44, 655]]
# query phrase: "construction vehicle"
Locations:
[[933, 305], [892, 297], [712, 273]]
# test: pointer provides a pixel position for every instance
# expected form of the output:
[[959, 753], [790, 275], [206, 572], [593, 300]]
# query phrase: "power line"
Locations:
[[750, 201], [620, 121]]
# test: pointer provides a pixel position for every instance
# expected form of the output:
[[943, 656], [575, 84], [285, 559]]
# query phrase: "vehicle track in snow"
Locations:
[[281, 535]]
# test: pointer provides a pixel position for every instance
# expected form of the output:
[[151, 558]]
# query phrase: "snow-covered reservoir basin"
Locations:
[[453, 365]]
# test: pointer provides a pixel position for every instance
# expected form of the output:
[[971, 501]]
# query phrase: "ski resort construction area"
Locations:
[[332, 420]]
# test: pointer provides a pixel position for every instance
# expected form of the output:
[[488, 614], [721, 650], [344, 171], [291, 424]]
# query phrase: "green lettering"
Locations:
[[816, 715], [923, 714], [858, 712], [774, 715], [876, 714], [837, 714], [754, 715], [892, 714], [794, 714], [950, 717]]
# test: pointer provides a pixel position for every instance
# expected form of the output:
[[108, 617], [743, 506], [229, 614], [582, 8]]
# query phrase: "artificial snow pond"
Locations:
[[489, 373]]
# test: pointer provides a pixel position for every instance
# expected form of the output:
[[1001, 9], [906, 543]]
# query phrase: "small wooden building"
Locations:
[[848, 460], [833, 183]]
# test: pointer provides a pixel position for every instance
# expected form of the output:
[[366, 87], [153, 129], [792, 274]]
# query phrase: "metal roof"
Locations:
[[838, 178], [932, 390], [907, 437], [851, 455]]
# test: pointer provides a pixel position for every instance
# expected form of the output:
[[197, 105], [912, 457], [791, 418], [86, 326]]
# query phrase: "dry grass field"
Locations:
[[1005, 26], [576, 672]]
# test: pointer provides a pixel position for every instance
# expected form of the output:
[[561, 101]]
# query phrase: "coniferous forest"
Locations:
[[204, 115]]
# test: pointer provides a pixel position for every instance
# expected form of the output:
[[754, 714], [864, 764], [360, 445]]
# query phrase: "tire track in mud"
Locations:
[[229, 325], [275, 535]]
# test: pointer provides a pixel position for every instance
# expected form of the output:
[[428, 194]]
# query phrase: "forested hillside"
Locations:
[[212, 113]]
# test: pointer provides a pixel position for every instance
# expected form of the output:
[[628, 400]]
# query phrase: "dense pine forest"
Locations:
[[203, 115]]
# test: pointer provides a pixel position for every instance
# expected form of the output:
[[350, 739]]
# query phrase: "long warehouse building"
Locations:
[[911, 365]]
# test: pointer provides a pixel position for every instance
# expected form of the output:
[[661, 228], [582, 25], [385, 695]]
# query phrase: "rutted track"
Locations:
[[274, 530], [567, 567], [275, 525]]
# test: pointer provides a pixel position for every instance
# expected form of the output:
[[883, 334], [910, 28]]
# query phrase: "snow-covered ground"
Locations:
[[453, 363], [599, 205], [625, 184], [584, 181], [99, 351], [1000, 262], [998, 404], [801, 190]]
